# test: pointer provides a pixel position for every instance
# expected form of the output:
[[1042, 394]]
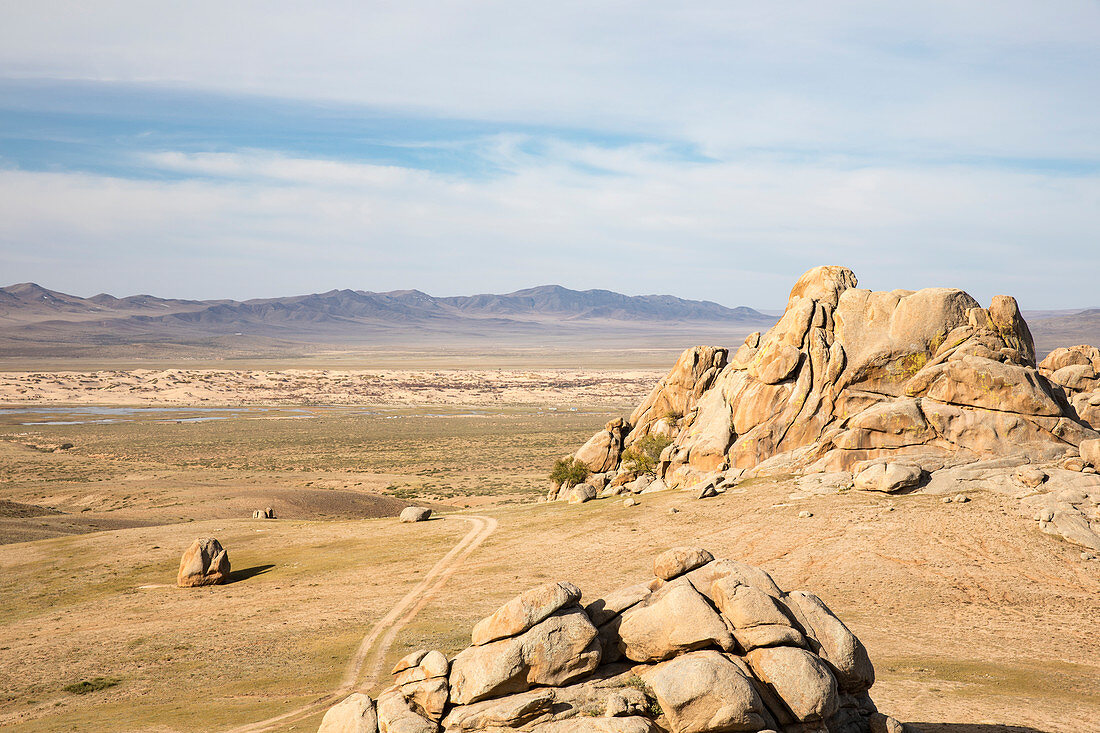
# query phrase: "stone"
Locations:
[[354, 714], [602, 610], [654, 486], [704, 691], [707, 492], [746, 606], [581, 493], [800, 678], [1074, 463], [598, 725], [679, 560], [204, 563], [524, 611], [396, 715], [833, 641], [672, 620], [509, 711], [703, 578], [415, 514], [630, 501], [602, 451], [421, 665], [1029, 476], [888, 477], [1090, 452], [796, 668], [805, 515], [421, 677], [555, 651], [961, 498]]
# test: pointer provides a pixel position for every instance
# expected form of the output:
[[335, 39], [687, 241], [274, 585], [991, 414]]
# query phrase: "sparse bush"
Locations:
[[673, 415], [85, 686], [568, 472], [653, 708], [643, 455]]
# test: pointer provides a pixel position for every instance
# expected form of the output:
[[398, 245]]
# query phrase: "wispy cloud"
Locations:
[[711, 150]]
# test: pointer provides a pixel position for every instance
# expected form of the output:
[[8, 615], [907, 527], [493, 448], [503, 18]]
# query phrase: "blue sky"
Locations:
[[714, 150]]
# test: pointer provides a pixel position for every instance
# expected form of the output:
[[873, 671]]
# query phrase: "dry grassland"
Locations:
[[977, 623]]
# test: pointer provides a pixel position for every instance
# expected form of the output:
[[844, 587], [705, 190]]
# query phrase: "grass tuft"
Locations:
[[85, 686]]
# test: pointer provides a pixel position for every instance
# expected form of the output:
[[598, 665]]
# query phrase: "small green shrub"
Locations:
[[568, 472], [653, 708], [673, 416], [643, 455], [85, 686]]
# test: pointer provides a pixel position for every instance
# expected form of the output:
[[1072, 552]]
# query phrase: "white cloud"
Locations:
[[253, 224], [1011, 78]]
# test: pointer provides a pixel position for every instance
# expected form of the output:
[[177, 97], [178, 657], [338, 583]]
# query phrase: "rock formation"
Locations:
[[204, 563], [415, 514], [707, 645], [887, 387]]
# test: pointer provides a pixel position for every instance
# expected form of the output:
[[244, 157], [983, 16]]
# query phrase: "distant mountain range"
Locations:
[[37, 321]]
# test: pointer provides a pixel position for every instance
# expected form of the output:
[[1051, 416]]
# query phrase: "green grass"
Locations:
[[93, 685]]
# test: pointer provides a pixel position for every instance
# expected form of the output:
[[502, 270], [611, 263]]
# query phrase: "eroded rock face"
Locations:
[[850, 375], [693, 677], [204, 563]]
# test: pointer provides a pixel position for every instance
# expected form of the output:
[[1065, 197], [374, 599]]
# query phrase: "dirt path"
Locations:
[[372, 650]]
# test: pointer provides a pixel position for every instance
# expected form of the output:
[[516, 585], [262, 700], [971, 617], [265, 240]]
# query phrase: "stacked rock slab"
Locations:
[[705, 646], [850, 376], [1077, 371]]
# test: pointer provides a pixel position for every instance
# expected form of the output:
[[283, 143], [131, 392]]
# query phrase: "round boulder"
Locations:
[[415, 514]]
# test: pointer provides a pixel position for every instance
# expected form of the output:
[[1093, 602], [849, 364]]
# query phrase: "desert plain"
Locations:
[[975, 621]]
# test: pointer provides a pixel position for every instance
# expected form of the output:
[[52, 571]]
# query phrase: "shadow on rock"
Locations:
[[235, 576]]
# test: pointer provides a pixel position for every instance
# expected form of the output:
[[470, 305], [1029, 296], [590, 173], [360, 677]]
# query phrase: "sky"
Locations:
[[709, 150]]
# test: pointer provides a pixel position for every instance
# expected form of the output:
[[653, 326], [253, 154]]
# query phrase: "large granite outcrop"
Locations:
[[706, 646], [887, 387]]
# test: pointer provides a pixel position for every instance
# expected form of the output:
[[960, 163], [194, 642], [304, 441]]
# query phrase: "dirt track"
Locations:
[[381, 636]]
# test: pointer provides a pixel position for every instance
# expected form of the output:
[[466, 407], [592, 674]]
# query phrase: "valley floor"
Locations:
[[976, 622]]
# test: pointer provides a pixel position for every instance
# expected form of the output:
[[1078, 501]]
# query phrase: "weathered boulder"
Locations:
[[672, 620], [415, 514], [536, 663], [582, 493], [555, 651], [602, 451], [705, 691], [421, 677], [397, 715], [354, 714], [800, 678], [679, 560], [524, 611], [204, 563], [832, 641], [888, 477], [1090, 452]]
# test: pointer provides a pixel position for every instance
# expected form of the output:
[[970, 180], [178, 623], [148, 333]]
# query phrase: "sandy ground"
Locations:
[[323, 386], [971, 616], [976, 622]]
